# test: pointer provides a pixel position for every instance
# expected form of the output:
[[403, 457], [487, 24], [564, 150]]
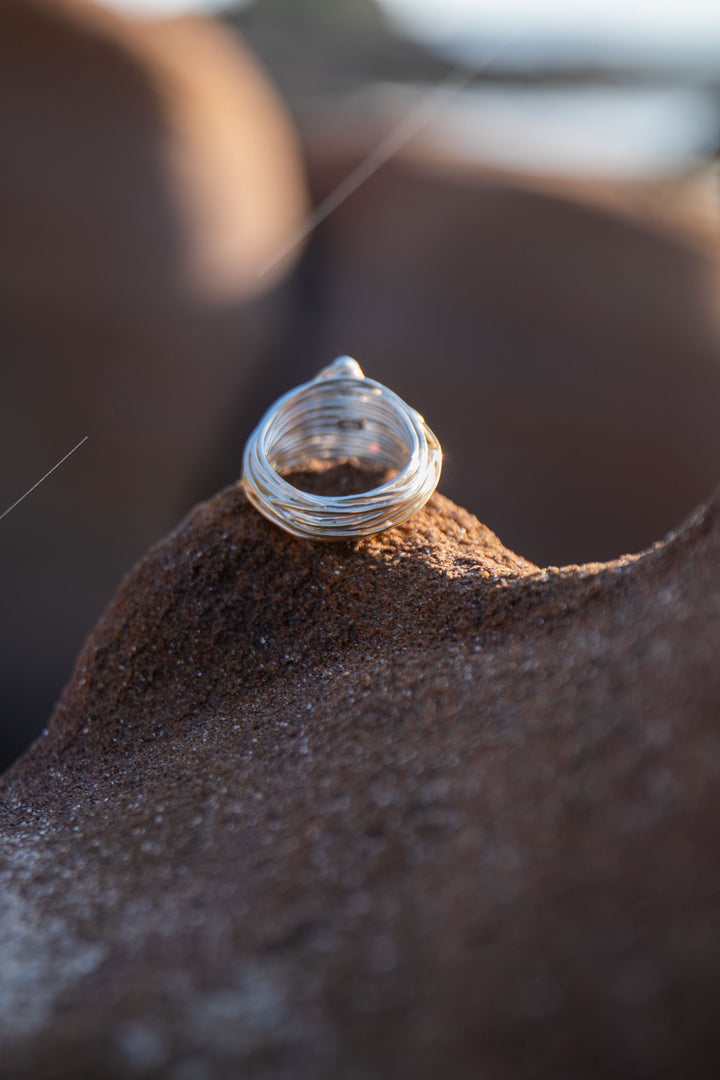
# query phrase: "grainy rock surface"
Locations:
[[409, 807]]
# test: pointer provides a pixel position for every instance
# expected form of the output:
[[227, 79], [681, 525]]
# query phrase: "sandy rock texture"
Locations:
[[410, 807]]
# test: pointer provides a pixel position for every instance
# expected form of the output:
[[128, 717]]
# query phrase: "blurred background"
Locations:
[[536, 270]]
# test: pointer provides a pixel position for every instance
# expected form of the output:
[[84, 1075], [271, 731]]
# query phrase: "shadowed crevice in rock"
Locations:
[[388, 808]]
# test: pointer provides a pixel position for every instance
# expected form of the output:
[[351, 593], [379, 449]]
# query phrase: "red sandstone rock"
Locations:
[[148, 173], [562, 340], [409, 807]]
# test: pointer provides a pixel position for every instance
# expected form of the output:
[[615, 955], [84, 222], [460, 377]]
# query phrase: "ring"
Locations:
[[339, 416]]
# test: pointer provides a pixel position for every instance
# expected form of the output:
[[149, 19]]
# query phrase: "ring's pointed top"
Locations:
[[342, 366]]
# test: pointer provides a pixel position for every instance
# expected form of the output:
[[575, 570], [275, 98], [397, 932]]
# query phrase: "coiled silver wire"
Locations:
[[341, 415]]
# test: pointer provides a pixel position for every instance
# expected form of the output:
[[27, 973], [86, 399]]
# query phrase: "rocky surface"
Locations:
[[563, 345], [149, 170], [561, 339], [407, 807]]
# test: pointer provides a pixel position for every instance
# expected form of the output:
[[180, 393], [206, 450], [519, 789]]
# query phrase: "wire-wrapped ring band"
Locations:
[[341, 415]]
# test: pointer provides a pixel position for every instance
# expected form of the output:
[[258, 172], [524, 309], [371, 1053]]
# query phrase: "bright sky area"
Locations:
[[644, 21], [646, 130]]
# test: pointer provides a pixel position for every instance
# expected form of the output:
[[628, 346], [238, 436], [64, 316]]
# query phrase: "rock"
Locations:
[[561, 339], [150, 170], [410, 806], [344, 46]]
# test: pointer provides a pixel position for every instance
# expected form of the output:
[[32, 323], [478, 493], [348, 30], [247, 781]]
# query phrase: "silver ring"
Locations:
[[339, 416]]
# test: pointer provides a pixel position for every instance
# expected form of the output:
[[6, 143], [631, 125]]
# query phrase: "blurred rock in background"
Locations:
[[319, 48], [536, 271], [563, 345], [149, 172]]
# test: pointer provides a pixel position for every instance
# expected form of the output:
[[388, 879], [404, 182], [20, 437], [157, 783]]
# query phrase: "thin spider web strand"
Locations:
[[419, 117], [431, 106], [43, 478]]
